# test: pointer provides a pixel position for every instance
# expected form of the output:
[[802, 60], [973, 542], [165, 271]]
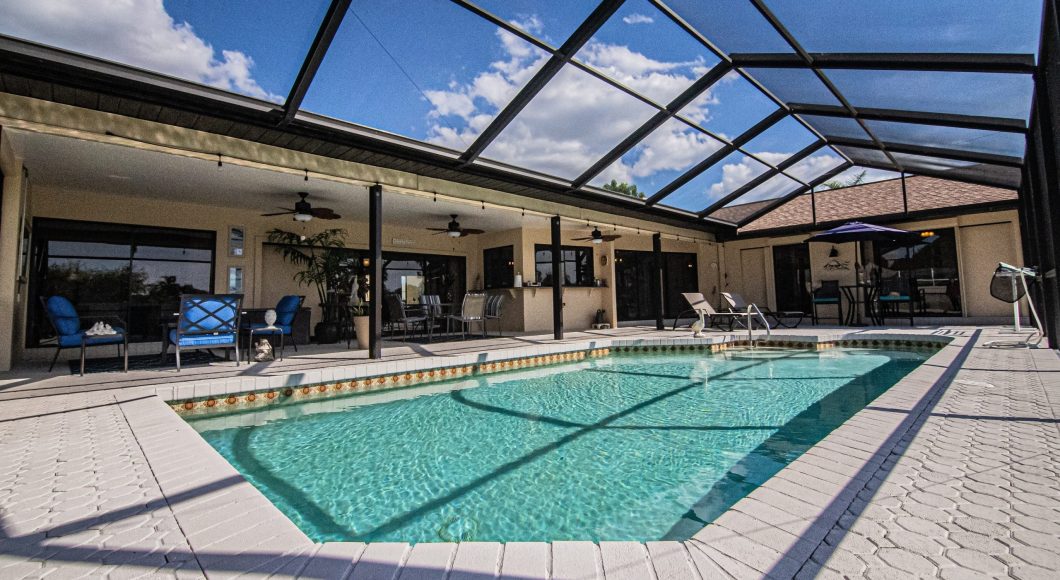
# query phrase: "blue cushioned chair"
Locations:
[[207, 321], [68, 333], [828, 294], [286, 309]]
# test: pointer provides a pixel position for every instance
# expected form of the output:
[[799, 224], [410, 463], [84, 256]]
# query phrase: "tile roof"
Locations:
[[871, 199]]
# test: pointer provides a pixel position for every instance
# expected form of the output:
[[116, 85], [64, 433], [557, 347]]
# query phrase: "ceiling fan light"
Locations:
[[453, 233], [597, 240], [303, 217]]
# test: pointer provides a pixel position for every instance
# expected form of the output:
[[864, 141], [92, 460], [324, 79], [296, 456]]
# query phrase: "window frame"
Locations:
[[580, 283]]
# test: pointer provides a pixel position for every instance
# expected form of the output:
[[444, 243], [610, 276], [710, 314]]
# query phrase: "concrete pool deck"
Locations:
[[954, 472]]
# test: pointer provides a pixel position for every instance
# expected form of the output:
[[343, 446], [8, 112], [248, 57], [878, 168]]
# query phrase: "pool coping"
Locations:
[[771, 531], [204, 398]]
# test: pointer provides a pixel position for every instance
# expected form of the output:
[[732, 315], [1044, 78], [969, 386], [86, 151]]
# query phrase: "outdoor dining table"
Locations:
[[857, 294]]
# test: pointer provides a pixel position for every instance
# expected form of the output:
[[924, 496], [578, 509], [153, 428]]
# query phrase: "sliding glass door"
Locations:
[[136, 273]]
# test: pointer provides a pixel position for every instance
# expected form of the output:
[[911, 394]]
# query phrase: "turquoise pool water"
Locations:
[[628, 447]]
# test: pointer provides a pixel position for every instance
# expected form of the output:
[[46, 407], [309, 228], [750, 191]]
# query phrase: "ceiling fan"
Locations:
[[303, 211], [598, 237], [453, 229]]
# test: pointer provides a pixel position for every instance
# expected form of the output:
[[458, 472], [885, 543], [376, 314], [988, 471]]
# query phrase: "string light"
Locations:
[[329, 176]]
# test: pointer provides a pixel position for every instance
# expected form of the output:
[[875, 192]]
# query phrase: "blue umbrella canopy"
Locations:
[[862, 232]]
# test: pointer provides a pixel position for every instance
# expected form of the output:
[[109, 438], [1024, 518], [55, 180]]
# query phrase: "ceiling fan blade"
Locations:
[[471, 232], [324, 213], [439, 230], [280, 213], [581, 239], [611, 238]]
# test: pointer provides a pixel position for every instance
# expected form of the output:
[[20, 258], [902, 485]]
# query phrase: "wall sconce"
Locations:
[[834, 252], [366, 262]]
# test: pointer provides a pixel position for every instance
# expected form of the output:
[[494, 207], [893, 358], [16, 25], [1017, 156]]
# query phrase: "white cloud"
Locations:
[[576, 118], [136, 32], [636, 18], [734, 175]]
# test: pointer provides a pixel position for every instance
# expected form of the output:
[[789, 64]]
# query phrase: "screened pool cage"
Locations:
[[767, 99]]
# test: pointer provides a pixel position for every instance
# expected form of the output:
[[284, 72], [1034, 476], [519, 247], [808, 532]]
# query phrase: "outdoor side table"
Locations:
[[269, 330]]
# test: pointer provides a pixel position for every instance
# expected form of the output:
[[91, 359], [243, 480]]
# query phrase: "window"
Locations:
[[498, 267], [926, 269], [577, 265], [136, 273]]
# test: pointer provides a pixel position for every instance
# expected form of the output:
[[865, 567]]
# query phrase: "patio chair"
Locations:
[[68, 332], [431, 304], [828, 294], [207, 321], [893, 293], [738, 304], [400, 315], [699, 304], [472, 310], [493, 312], [286, 309]]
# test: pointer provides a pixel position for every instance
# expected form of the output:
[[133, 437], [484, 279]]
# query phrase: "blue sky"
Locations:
[[430, 70]]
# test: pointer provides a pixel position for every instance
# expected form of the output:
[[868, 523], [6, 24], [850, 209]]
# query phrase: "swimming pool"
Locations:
[[627, 447]]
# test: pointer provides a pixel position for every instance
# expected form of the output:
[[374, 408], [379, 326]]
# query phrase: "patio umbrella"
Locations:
[[858, 232], [862, 232]]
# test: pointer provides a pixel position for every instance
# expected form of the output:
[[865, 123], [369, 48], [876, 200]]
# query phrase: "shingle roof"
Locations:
[[871, 199]]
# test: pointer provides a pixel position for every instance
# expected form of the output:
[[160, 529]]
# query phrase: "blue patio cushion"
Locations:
[[890, 298], [71, 340], [285, 328], [826, 300], [63, 316], [208, 314], [222, 338], [286, 309]]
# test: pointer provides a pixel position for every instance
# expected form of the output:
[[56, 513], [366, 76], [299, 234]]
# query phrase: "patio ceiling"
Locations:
[[702, 105], [74, 165]]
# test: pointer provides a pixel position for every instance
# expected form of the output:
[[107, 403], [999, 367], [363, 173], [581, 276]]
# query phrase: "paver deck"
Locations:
[[954, 472]]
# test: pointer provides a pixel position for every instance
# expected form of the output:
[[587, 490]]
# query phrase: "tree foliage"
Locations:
[[624, 188], [851, 182]]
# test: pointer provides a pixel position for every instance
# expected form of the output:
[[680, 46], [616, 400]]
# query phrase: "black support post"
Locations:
[[375, 282], [657, 281], [557, 281], [1044, 157]]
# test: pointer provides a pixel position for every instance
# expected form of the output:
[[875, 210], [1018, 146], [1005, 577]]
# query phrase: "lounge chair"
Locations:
[[701, 307], [780, 318]]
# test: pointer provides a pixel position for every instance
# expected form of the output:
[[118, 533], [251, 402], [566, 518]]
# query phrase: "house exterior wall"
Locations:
[[983, 240]]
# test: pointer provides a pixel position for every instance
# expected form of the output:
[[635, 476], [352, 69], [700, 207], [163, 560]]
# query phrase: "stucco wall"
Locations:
[[983, 240]]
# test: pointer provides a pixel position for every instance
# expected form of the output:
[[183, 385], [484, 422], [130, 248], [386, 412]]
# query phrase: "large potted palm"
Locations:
[[321, 266]]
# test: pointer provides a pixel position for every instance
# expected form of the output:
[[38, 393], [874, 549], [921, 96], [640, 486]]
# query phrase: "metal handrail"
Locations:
[[750, 327]]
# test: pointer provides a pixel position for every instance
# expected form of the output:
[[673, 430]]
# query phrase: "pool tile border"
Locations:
[[227, 396]]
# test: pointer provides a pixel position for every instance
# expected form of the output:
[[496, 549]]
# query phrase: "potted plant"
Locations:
[[321, 267]]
